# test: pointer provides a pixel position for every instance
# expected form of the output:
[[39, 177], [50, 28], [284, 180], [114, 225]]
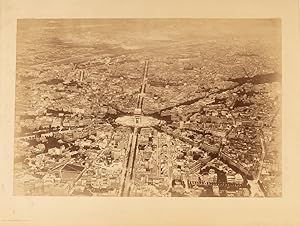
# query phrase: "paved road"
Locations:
[[128, 174], [125, 165], [130, 165], [143, 88]]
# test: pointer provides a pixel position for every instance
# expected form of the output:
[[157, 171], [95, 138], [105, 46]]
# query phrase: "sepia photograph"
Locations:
[[144, 113], [148, 107]]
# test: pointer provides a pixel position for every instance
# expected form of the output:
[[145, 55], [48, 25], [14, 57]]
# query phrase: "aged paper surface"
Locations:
[[149, 113]]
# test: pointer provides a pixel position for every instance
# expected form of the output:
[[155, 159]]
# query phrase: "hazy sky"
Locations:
[[138, 31]]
